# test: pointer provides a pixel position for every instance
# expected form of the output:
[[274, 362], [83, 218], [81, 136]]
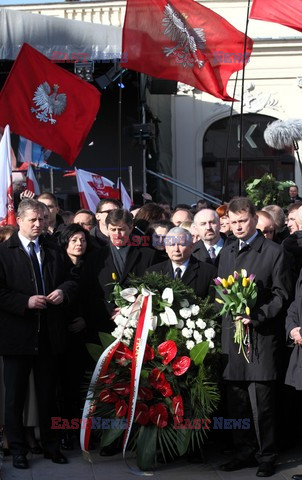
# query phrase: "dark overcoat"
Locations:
[[19, 326], [268, 262], [293, 320], [198, 275], [201, 253]]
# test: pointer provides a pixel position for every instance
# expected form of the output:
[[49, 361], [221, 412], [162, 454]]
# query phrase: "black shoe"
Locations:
[[20, 461], [56, 457], [265, 469], [297, 477], [237, 464], [110, 450], [66, 442]]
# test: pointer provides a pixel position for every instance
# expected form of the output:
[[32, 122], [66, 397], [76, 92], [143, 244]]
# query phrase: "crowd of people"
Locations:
[[56, 278]]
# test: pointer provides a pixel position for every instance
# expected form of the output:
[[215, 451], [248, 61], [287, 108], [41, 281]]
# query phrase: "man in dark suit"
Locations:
[[251, 385], [181, 264], [123, 255], [208, 248], [33, 288]]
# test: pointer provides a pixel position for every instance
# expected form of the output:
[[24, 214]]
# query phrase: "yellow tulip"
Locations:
[[224, 283], [247, 310], [231, 280], [218, 300], [114, 276], [245, 282]]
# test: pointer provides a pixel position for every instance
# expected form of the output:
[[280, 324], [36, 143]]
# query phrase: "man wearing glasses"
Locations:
[[99, 232]]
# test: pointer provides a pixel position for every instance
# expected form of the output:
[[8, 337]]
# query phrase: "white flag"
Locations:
[[125, 198], [7, 212]]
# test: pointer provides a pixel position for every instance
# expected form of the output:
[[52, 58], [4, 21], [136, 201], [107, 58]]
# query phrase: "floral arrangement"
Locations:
[[176, 379], [238, 294]]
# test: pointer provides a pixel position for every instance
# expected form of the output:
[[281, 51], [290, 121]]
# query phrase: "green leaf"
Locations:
[[94, 350], [199, 352], [172, 334], [183, 440], [146, 447], [108, 436], [106, 339]]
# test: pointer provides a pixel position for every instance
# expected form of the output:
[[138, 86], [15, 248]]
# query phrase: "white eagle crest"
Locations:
[[48, 103], [188, 39]]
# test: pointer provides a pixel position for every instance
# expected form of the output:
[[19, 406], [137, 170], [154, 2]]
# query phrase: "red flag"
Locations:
[[287, 13], [7, 213], [47, 104], [184, 41], [92, 188], [31, 181]]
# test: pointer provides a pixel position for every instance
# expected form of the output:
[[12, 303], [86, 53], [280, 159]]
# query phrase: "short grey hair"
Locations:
[[176, 232]]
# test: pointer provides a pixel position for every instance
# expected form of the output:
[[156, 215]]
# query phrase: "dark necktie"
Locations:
[[212, 254], [177, 272], [35, 263]]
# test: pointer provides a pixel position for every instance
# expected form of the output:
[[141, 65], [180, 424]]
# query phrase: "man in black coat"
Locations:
[[123, 255], [211, 243], [181, 264], [33, 289], [251, 385]]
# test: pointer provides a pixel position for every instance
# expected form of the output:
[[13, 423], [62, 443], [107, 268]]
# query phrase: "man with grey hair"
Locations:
[[208, 248], [181, 264], [33, 287]]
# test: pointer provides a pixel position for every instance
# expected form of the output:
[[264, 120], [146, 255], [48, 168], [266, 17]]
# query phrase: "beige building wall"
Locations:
[[273, 81]]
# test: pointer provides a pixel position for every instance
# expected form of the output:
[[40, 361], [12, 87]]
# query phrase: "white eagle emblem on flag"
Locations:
[[48, 103], [188, 39]]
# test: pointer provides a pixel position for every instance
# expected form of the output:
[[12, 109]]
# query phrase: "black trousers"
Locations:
[[256, 401], [16, 376]]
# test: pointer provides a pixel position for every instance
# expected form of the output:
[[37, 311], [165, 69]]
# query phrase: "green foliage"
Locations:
[[268, 191]]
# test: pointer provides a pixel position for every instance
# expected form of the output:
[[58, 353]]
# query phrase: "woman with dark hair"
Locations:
[[74, 240], [148, 213]]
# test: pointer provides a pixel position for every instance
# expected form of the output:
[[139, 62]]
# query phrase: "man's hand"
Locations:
[[37, 301], [296, 336], [26, 194], [56, 297], [246, 319]]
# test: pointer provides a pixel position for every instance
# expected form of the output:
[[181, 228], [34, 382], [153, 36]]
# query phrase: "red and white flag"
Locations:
[[31, 181], [287, 13], [92, 188], [125, 198], [47, 104], [184, 41], [7, 212]]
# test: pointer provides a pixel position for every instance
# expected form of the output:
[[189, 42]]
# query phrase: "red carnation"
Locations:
[[178, 406], [107, 396], [121, 388], [166, 390], [141, 415], [157, 378], [144, 393], [149, 353], [123, 354], [181, 365], [159, 415], [121, 408], [108, 378], [168, 350]]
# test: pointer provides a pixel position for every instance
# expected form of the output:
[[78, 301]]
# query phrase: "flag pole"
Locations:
[[119, 133], [241, 107], [130, 172]]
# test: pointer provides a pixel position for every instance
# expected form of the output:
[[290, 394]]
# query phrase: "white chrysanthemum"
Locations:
[[129, 294], [125, 311], [187, 333], [211, 344], [133, 322], [195, 310], [185, 312], [184, 303], [190, 344], [128, 333], [180, 324], [120, 320], [201, 323], [190, 323], [117, 331], [209, 333], [168, 295], [126, 341], [197, 336]]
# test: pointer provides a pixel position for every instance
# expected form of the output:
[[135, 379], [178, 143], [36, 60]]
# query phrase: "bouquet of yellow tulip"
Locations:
[[238, 294]]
